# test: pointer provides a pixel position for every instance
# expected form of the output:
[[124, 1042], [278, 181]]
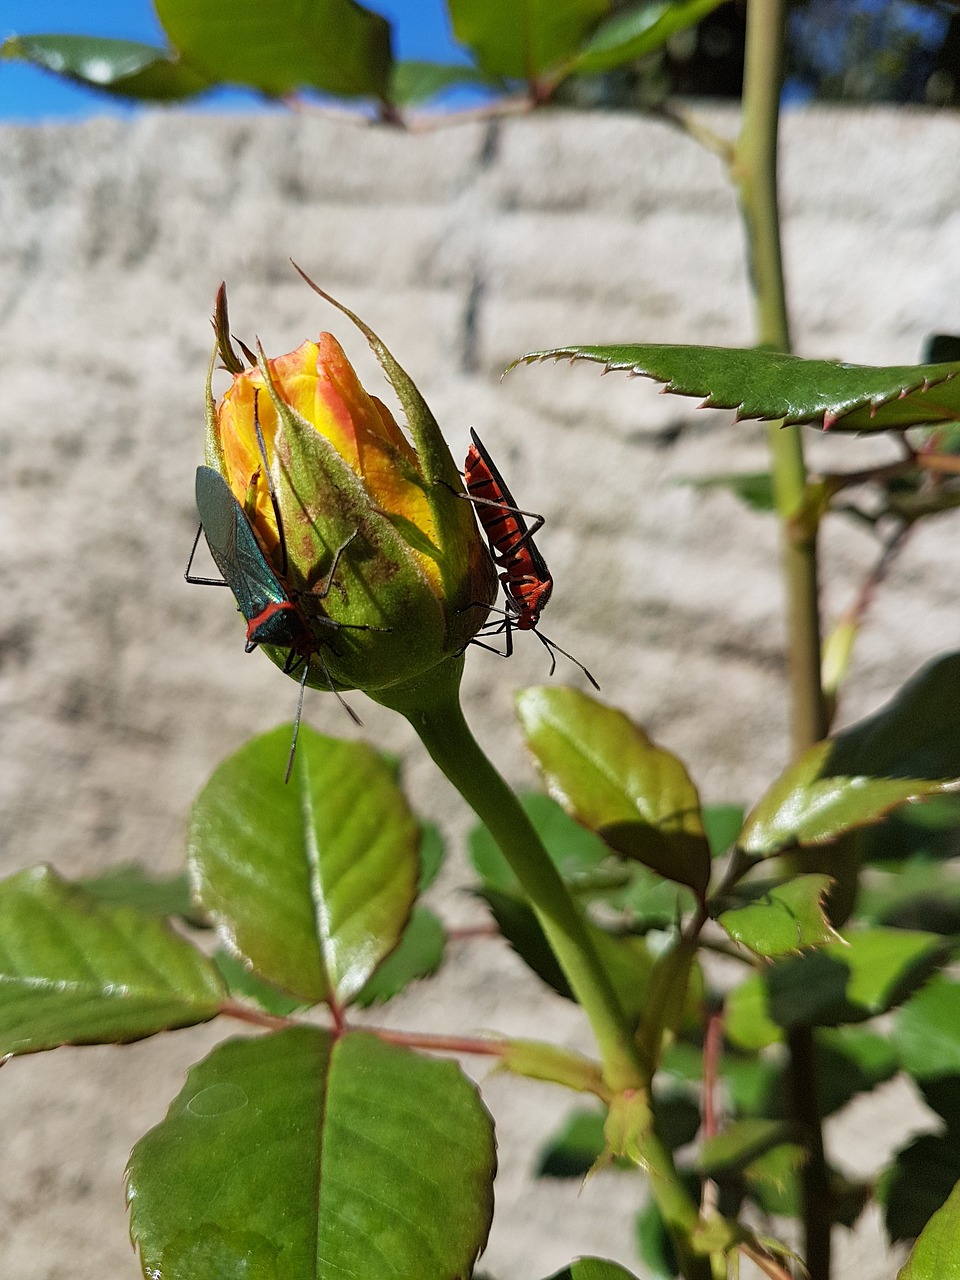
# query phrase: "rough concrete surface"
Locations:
[[122, 687]]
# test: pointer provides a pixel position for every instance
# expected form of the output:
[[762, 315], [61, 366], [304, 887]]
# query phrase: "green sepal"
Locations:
[[466, 568]]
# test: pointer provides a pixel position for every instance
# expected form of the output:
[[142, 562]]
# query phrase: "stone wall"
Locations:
[[463, 248]]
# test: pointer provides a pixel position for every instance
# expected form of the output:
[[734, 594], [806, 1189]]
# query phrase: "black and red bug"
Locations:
[[274, 615], [526, 580]]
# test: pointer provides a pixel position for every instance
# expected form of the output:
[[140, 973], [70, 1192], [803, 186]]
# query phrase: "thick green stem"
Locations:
[[432, 705], [433, 708], [754, 168]]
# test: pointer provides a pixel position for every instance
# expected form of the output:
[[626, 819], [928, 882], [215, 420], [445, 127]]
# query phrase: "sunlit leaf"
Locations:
[[812, 802], [120, 67], [637, 32], [936, 1255], [778, 917], [610, 776], [522, 39], [295, 1154], [759, 383], [336, 46], [74, 970], [311, 881]]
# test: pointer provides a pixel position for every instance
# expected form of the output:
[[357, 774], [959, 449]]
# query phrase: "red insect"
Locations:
[[526, 580]]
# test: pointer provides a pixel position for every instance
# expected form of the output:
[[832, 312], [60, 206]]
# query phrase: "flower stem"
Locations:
[[432, 705], [433, 708]]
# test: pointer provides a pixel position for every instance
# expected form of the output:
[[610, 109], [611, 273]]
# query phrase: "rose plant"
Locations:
[[319, 1149]]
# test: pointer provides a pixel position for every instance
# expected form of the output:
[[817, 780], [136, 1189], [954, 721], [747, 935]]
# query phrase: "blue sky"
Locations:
[[421, 30]]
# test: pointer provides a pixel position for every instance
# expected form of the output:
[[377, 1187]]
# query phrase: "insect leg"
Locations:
[[192, 578], [296, 722]]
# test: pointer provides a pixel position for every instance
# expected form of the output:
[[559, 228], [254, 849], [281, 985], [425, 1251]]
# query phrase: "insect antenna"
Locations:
[[553, 649]]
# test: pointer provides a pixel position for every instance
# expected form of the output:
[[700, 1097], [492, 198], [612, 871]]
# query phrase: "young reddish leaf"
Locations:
[[775, 918], [637, 32], [810, 803], [74, 970], [768, 384], [311, 881], [336, 46], [122, 68], [523, 40], [610, 776], [296, 1155]]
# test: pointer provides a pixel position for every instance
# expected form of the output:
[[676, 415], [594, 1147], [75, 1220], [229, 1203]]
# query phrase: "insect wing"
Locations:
[[235, 548]]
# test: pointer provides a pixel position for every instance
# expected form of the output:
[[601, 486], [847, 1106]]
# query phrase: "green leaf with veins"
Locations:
[[313, 881], [297, 1154], [615, 780], [75, 970]]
